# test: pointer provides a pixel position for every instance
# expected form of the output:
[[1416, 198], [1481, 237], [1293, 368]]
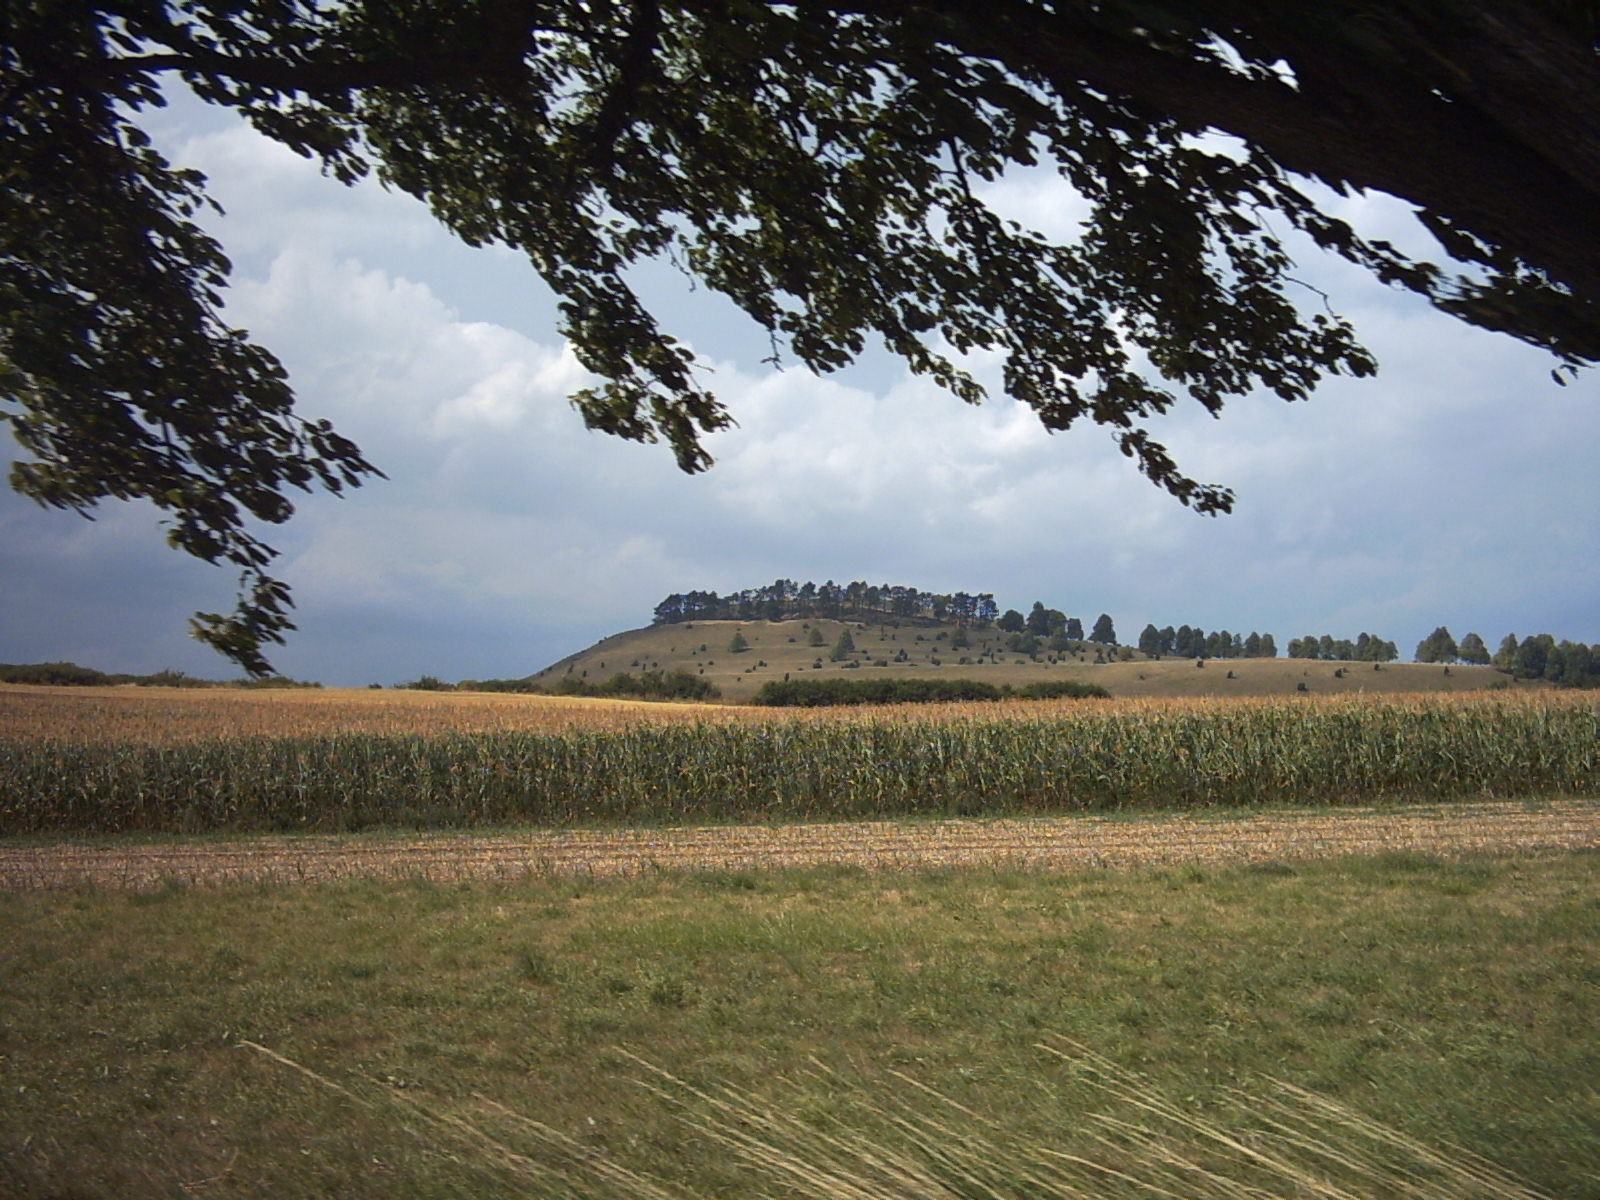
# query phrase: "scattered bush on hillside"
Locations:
[[818, 693], [1023, 643]]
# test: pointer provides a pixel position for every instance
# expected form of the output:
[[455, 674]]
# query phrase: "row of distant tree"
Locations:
[[1537, 656], [1042, 622], [1365, 648], [68, 674], [1193, 642], [784, 599]]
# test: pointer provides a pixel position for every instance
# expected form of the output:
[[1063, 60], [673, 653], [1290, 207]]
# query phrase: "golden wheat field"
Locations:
[[172, 716]]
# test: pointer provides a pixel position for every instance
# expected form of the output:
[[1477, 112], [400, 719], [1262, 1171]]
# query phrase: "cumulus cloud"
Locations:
[[1453, 489]]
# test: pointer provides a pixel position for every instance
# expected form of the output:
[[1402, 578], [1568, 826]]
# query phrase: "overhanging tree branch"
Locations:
[[1481, 153], [795, 157]]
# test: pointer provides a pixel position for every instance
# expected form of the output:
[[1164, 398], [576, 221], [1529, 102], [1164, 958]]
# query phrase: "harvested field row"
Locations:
[[1048, 844]]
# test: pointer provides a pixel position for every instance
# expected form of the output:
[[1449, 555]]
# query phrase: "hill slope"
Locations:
[[779, 648]]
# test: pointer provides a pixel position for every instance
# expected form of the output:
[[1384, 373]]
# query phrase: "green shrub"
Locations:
[[816, 693], [57, 674], [654, 684], [1060, 689]]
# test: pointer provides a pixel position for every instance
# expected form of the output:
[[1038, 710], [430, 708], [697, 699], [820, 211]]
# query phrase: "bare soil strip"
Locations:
[[1047, 844]]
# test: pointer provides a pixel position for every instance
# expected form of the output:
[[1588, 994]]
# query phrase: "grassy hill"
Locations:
[[777, 648]]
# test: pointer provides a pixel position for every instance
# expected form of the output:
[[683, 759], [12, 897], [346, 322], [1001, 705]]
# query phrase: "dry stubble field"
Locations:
[[1054, 844]]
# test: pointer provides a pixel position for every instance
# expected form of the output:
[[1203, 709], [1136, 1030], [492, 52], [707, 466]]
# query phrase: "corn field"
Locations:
[[701, 765]]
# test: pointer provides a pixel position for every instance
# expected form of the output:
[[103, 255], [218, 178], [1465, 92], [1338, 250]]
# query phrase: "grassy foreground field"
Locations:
[[890, 1034], [1453, 1001]]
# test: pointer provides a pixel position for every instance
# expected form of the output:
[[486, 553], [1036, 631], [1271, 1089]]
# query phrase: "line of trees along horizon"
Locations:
[[1193, 642], [1538, 656], [784, 599]]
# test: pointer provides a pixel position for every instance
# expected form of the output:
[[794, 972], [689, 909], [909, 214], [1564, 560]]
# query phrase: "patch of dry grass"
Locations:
[[899, 1139], [1047, 844]]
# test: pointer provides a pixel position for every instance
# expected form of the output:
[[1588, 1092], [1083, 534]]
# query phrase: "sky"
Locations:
[[1457, 488]]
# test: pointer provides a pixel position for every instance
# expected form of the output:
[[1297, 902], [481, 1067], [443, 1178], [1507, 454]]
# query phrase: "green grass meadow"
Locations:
[[491, 1039]]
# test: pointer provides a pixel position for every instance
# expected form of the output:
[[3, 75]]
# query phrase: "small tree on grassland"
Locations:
[[1505, 658], [844, 647], [1472, 650], [1438, 647]]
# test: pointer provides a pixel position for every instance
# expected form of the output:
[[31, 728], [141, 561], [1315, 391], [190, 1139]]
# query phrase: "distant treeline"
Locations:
[[1540, 656], [785, 600], [647, 685], [66, 674], [820, 693], [1193, 642], [1365, 648]]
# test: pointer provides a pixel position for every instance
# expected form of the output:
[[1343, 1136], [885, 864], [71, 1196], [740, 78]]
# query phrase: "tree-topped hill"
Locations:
[[785, 600], [876, 604], [739, 657]]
